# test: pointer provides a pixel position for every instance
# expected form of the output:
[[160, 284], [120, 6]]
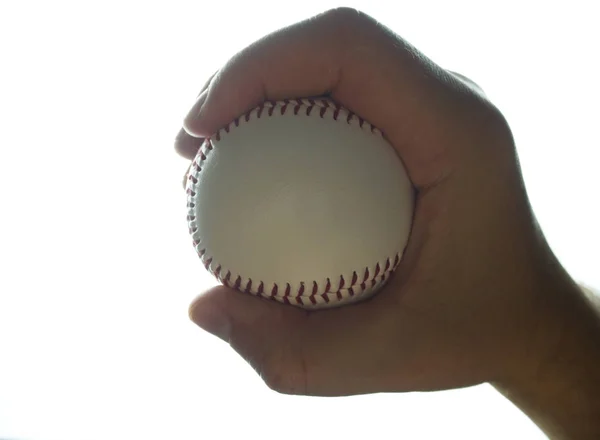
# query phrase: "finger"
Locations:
[[467, 81], [187, 145], [356, 61], [300, 352]]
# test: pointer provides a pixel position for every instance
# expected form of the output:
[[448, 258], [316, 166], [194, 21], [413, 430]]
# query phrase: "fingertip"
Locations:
[[466, 80], [186, 145], [207, 313], [241, 310], [202, 300], [191, 120]]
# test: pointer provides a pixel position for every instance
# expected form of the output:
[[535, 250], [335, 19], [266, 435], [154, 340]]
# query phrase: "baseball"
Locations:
[[302, 202]]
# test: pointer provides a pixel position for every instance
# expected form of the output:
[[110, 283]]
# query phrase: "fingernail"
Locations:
[[210, 319], [196, 109]]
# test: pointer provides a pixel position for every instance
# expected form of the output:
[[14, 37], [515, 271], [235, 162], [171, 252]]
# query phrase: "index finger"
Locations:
[[350, 57], [185, 144]]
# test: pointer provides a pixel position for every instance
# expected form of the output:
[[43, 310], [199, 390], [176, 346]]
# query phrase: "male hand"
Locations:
[[477, 288]]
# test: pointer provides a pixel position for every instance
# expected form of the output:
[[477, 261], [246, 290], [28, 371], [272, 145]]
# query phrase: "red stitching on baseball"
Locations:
[[299, 296], [260, 110]]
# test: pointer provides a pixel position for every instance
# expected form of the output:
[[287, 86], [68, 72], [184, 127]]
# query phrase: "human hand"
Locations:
[[469, 302]]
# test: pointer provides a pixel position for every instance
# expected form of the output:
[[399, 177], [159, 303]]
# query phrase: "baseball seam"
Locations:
[[311, 293]]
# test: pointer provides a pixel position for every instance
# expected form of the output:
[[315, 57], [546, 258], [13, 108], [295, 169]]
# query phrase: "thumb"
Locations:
[[263, 332], [225, 312], [340, 351]]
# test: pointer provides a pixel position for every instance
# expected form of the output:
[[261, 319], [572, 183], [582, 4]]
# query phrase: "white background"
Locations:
[[96, 267]]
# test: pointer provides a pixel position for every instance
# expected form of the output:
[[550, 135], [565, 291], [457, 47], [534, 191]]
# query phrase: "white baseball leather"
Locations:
[[300, 201]]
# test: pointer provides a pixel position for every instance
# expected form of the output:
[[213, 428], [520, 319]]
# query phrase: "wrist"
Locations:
[[558, 384]]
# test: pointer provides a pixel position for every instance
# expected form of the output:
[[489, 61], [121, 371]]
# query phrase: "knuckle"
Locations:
[[346, 17], [342, 12], [490, 119], [489, 130], [275, 379], [281, 374], [350, 31]]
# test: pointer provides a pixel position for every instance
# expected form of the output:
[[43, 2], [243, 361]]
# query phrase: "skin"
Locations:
[[478, 297]]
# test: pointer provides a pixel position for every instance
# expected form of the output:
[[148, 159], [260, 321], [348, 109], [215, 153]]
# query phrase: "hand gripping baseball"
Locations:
[[474, 294]]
